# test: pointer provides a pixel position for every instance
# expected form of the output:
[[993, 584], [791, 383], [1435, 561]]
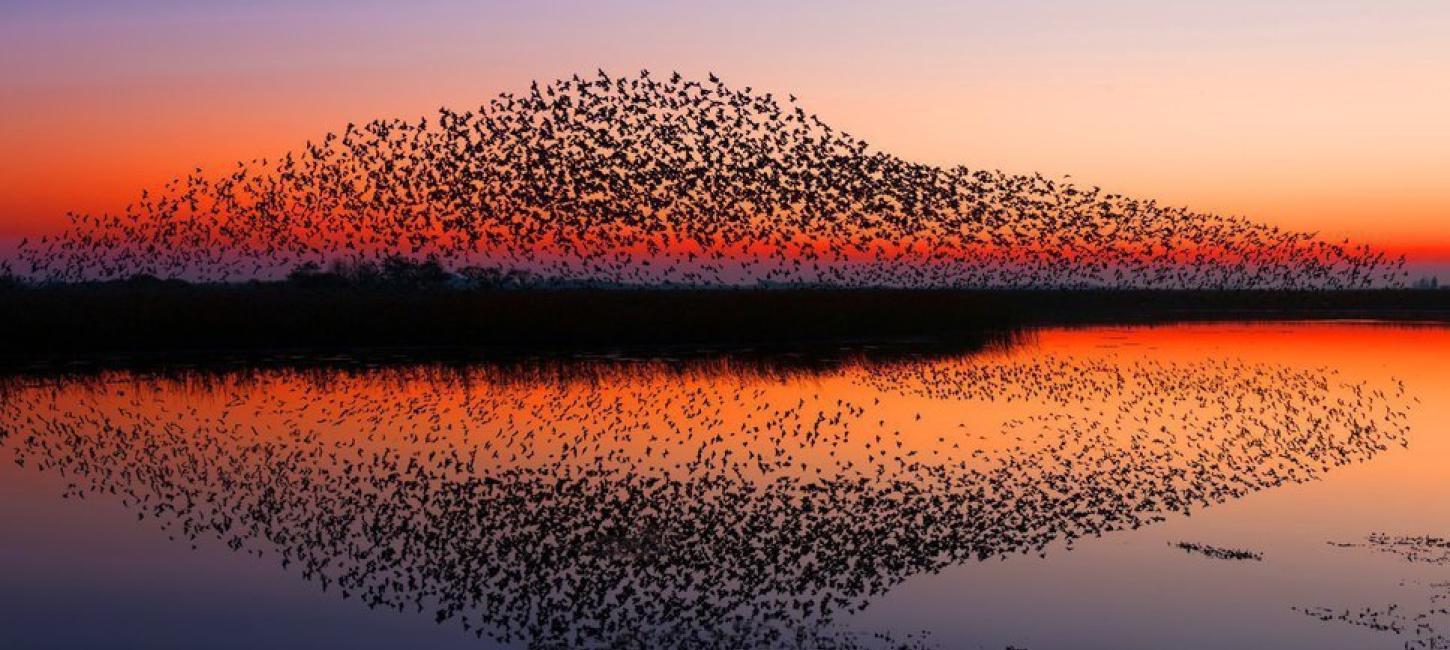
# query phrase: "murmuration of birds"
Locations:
[[666, 181], [645, 510]]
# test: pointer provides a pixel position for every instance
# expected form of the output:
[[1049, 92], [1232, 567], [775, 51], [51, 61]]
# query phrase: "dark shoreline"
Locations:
[[80, 322]]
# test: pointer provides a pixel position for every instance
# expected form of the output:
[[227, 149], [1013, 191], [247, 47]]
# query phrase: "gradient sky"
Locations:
[[1320, 115]]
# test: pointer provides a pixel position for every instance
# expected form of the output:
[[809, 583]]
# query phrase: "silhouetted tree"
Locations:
[[481, 277], [147, 280], [311, 275], [399, 271], [492, 277], [394, 272], [8, 278]]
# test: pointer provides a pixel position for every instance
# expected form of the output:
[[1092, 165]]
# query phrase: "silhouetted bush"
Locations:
[[146, 280], [395, 272], [401, 272], [310, 275], [488, 277], [8, 279]]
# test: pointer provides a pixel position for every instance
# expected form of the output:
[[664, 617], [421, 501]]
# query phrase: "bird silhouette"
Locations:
[[633, 180], [640, 504]]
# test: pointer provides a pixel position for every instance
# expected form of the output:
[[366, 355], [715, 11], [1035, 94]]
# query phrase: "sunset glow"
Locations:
[[734, 325], [1309, 115]]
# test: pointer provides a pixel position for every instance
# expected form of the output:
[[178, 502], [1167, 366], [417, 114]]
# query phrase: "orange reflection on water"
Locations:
[[707, 501]]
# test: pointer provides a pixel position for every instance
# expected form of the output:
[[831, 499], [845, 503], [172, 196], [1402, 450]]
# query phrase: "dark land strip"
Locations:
[[169, 320]]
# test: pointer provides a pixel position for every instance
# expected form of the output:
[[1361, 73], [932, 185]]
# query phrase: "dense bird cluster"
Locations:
[[652, 180], [639, 508]]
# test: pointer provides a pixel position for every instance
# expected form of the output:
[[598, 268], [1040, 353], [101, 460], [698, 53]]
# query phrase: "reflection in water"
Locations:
[[1413, 548], [1422, 633], [631, 507], [1424, 627], [1218, 553]]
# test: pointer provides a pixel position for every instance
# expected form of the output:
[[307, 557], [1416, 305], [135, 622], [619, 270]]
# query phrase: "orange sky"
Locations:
[[1324, 116]]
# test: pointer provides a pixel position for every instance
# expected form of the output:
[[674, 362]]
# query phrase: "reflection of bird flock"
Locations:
[[1422, 627], [1419, 626], [1413, 548], [650, 180], [643, 509], [1219, 553]]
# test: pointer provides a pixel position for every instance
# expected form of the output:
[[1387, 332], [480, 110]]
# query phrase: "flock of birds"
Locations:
[[1219, 553], [640, 507], [646, 180], [1418, 626], [1423, 628], [1425, 549]]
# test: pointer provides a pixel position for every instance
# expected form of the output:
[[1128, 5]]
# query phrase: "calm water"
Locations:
[[1204, 486]]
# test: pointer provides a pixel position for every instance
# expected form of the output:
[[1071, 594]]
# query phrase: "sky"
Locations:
[[1318, 115]]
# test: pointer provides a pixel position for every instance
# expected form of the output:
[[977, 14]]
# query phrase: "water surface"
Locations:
[[1279, 485]]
